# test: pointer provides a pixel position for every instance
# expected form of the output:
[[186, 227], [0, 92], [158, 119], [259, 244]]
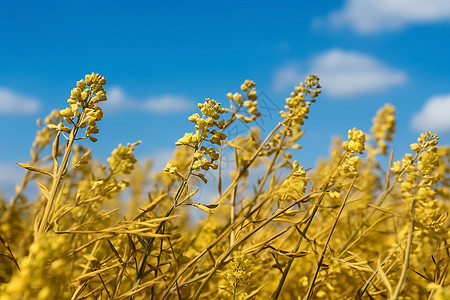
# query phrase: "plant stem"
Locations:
[[309, 219], [223, 257], [402, 280], [322, 255], [57, 179]]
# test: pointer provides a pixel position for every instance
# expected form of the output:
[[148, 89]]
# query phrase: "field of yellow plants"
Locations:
[[349, 228]]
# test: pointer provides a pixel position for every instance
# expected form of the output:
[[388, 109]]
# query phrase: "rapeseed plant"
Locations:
[[348, 228]]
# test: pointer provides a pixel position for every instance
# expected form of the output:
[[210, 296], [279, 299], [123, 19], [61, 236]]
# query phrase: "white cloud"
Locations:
[[434, 116], [13, 103], [116, 97], [167, 103], [353, 73], [342, 73], [287, 76], [119, 100], [371, 16]]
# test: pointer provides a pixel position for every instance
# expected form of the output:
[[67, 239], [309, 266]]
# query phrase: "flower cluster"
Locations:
[[171, 168], [201, 162], [416, 174], [355, 143], [297, 106], [348, 168], [425, 146], [384, 127], [211, 111], [208, 125], [251, 104], [122, 159], [297, 109], [239, 277], [83, 105], [121, 162], [294, 186]]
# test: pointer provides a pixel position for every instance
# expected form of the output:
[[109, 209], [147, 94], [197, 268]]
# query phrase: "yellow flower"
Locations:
[[355, 143]]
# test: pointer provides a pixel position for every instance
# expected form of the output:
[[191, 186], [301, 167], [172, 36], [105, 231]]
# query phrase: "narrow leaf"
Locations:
[[205, 208], [43, 190], [115, 251], [35, 169], [189, 196]]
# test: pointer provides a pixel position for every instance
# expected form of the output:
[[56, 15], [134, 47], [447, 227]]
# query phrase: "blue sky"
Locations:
[[160, 59]]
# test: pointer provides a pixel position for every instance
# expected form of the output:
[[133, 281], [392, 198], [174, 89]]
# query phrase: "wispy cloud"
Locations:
[[343, 73], [372, 16], [10, 175], [287, 76], [13, 103], [434, 115], [119, 100]]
